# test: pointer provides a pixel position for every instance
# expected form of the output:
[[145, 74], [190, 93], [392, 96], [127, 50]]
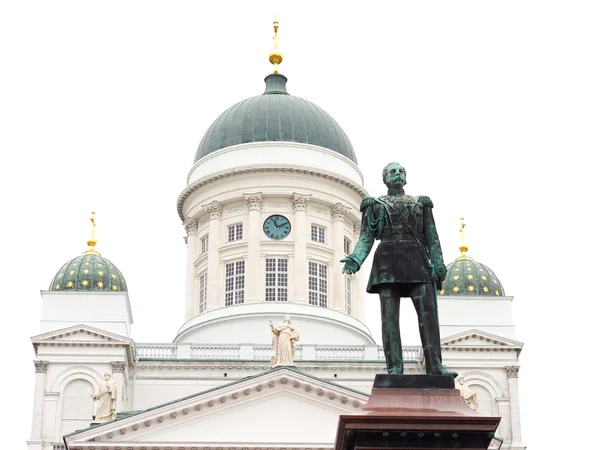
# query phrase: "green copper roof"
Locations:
[[88, 272], [275, 116], [468, 277]]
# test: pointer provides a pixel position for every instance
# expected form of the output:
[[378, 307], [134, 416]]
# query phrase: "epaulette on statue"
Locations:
[[368, 201], [426, 201]]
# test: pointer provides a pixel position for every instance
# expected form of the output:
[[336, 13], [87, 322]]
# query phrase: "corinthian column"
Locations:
[[41, 367], [512, 373], [300, 274], [338, 291], [191, 228], [253, 279], [214, 285]]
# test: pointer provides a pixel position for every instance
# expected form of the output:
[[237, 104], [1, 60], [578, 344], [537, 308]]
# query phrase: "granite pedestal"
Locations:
[[421, 412]]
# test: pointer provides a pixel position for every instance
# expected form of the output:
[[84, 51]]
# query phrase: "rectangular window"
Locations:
[[347, 245], [202, 290], [234, 282], [276, 280], [234, 232], [317, 284], [317, 233], [348, 295], [204, 244]]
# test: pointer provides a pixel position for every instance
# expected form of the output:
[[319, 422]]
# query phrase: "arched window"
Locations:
[[77, 406]]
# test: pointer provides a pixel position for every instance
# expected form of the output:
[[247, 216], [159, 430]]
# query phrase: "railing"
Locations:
[[156, 351], [340, 352], [199, 351], [263, 352]]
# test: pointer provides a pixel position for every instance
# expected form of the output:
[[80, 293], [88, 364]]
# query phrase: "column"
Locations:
[[338, 286], [512, 373], [215, 286], [504, 412], [191, 228], [118, 371], [41, 368], [299, 228], [253, 280]]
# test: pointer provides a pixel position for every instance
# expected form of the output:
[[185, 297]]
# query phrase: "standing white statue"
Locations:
[[107, 400], [284, 337], [466, 392]]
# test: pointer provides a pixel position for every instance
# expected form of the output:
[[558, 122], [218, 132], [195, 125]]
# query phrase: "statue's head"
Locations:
[[394, 175], [106, 376], [287, 319]]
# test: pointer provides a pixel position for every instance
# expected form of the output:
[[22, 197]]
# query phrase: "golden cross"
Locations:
[[93, 219]]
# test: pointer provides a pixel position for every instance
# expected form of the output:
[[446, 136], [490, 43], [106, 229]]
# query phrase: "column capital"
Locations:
[[191, 225], [118, 366], [512, 371], [214, 209], [254, 201], [41, 366], [300, 201], [338, 212]]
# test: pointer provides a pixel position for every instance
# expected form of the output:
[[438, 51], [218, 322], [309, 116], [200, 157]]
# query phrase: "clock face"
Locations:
[[277, 226]]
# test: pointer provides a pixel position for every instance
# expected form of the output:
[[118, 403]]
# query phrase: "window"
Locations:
[[348, 295], [276, 280], [234, 282], [317, 233], [347, 244], [204, 244], [234, 232], [202, 289], [317, 284]]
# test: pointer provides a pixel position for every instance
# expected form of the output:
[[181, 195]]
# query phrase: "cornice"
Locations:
[[189, 190]]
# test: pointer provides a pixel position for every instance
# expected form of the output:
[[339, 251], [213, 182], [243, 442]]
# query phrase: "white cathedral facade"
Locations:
[[270, 208]]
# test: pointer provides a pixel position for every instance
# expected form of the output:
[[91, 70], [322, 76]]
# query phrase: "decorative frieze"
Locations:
[[254, 201], [214, 210], [512, 371], [41, 366], [191, 225], [339, 211], [300, 202], [118, 366]]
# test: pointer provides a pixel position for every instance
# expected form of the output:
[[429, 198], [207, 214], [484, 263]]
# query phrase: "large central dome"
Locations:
[[275, 116]]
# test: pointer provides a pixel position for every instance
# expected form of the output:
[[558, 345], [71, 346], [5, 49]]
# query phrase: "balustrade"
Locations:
[[156, 351], [199, 351]]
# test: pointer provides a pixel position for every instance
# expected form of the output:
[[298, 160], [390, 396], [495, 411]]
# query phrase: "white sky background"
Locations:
[[493, 108]]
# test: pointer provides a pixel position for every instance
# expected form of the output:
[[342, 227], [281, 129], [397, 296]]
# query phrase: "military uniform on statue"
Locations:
[[408, 411]]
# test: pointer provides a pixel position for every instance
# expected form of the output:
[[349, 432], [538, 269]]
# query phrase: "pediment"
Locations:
[[275, 408], [80, 333], [477, 338]]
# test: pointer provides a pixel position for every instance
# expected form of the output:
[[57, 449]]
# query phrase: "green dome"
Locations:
[[275, 116], [467, 277], [88, 272]]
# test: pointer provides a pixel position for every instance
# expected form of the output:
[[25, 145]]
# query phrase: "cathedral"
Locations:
[[274, 346]]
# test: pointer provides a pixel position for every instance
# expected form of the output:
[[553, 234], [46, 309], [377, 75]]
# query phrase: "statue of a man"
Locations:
[[284, 337], [107, 400], [407, 263]]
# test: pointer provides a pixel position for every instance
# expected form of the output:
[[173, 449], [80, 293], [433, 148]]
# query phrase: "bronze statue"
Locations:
[[407, 263]]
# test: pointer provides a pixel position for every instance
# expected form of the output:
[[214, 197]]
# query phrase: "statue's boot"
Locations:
[[429, 328]]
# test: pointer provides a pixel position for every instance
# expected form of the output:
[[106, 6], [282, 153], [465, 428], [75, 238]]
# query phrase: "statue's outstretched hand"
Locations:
[[350, 266]]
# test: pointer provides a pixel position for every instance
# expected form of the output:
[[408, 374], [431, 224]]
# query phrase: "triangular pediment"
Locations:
[[80, 333], [275, 408], [477, 338]]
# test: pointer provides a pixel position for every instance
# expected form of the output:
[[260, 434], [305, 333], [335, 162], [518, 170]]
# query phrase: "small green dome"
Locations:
[[467, 277], [275, 116], [89, 272]]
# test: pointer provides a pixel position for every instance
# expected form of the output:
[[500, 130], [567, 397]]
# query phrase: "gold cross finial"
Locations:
[[462, 247], [275, 57], [92, 240]]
